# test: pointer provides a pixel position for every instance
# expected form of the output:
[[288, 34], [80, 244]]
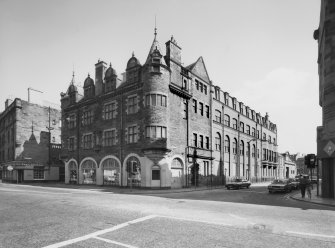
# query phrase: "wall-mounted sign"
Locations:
[[10, 168]]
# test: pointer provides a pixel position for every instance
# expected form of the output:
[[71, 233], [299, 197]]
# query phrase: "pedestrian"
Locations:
[[309, 187], [302, 185]]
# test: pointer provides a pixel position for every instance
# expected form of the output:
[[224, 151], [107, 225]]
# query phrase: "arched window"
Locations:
[[242, 148], [111, 171], [234, 146], [89, 172], [218, 142], [134, 168], [177, 163], [73, 171], [227, 144]]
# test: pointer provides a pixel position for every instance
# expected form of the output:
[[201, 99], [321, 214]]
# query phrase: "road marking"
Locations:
[[200, 221], [312, 234], [101, 232], [115, 242]]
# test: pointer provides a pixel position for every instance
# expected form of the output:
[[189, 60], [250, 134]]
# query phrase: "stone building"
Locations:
[[162, 124], [325, 35], [287, 166], [25, 154]]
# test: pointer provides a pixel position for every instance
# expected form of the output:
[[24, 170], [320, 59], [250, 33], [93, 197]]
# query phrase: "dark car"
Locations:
[[294, 183], [238, 184], [280, 185]]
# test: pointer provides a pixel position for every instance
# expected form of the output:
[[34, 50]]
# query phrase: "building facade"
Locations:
[[325, 35], [162, 125], [28, 151], [287, 165]]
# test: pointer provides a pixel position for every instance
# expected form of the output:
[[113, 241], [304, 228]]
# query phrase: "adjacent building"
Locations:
[[161, 124], [325, 35], [30, 143], [287, 165]]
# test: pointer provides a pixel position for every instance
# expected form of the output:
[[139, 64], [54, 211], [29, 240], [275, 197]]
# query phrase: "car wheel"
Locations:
[[248, 186], [270, 192]]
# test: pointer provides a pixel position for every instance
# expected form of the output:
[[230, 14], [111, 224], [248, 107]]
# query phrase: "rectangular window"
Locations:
[[201, 141], [207, 143], [195, 140], [132, 104], [110, 111], [156, 175], [109, 138], [248, 129], [185, 109], [153, 100], [217, 116], [72, 121], [207, 111], [205, 89], [253, 131], [88, 141], [132, 134], [201, 108], [71, 143], [87, 118], [197, 84], [257, 134], [155, 132], [195, 105], [38, 173], [201, 87]]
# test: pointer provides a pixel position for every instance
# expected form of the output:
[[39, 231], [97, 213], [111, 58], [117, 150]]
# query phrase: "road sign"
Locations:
[[10, 168]]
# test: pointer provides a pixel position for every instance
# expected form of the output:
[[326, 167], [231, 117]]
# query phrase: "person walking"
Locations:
[[309, 187], [302, 185]]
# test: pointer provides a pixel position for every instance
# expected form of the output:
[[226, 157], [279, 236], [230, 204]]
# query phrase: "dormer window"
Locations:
[[156, 60]]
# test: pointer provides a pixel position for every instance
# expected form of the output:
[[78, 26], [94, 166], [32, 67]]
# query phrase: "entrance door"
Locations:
[[20, 176], [176, 179]]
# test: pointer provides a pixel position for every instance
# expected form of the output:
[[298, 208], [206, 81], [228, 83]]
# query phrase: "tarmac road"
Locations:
[[33, 216]]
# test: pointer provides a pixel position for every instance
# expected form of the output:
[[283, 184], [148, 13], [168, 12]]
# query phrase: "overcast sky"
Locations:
[[260, 51]]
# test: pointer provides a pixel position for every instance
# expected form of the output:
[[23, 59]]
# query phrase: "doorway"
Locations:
[[20, 176]]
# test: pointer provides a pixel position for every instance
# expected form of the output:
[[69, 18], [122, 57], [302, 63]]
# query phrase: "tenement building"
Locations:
[[162, 125], [325, 35], [30, 143]]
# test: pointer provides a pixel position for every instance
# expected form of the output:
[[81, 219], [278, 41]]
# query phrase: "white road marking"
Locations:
[[312, 234], [115, 242], [200, 221], [101, 232]]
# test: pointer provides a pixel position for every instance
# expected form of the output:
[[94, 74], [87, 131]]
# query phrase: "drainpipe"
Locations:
[[211, 127]]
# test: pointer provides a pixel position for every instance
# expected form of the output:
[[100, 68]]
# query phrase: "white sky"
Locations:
[[260, 51]]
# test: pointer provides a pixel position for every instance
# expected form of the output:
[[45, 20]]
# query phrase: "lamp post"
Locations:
[[49, 129]]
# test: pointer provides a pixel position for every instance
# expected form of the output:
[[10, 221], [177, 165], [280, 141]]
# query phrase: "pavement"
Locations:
[[315, 198]]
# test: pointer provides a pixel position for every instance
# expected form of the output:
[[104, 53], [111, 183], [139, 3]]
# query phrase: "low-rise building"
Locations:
[[30, 143]]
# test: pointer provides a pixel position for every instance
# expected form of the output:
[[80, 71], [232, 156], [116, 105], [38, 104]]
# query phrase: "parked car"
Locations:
[[294, 183], [238, 184], [280, 185]]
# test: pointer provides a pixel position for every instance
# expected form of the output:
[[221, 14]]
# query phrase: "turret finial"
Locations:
[[155, 28]]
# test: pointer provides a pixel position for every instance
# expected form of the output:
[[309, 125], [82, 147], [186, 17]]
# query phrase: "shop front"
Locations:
[[28, 171]]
